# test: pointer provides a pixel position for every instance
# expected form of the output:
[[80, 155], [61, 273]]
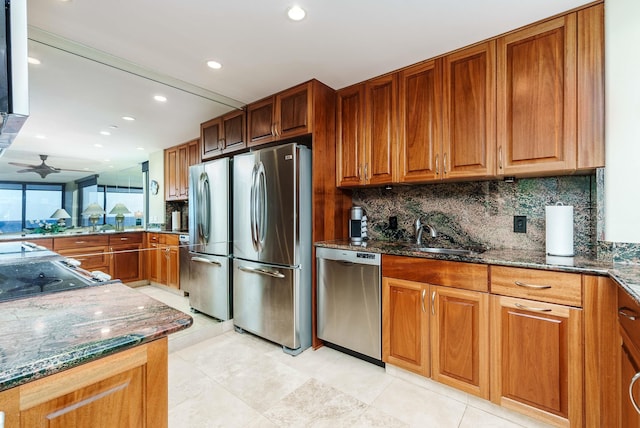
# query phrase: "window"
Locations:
[[25, 205], [107, 197]]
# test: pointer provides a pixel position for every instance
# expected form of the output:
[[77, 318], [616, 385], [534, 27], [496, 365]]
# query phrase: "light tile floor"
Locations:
[[220, 378]]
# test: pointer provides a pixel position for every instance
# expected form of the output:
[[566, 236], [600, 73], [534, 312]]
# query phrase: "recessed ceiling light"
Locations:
[[32, 60], [129, 118], [296, 13], [40, 136], [140, 148], [105, 132], [97, 145], [160, 98], [214, 64], [113, 126]]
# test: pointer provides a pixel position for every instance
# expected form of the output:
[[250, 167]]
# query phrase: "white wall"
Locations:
[[156, 202], [622, 86]]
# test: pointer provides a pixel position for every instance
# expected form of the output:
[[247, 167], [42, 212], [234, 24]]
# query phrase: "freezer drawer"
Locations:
[[209, 286], [272, 302], [349, 300]]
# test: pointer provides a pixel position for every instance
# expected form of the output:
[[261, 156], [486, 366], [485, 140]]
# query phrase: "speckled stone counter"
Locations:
[[627, 275], [43, 335]]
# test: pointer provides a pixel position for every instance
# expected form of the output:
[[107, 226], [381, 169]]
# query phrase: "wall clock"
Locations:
[[153, 187]]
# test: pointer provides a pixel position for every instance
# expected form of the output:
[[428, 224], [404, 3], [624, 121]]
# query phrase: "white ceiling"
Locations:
[[340, 42]]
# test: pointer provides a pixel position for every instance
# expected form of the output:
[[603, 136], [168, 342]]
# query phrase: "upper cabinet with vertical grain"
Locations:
[[420, 112], [284, 115], [469, 111], [367, 132], [177, 161], [224, 134], [536, 111]]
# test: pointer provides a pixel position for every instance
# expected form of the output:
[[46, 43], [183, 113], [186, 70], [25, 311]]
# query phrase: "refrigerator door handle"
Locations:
[[205, 201], [203, 260], [253, 224], [262, 206], [262, 271]]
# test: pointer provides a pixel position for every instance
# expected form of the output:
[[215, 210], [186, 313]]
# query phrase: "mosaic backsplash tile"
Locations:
[[481, 213]]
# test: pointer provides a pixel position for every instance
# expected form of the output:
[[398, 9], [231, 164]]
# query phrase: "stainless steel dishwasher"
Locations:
[[349, 302]]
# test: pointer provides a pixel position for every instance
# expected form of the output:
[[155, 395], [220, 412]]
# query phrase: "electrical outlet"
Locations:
[[520, 223], [393, 223]]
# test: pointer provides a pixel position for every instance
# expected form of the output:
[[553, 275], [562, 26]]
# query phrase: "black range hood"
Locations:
[[14, 77]]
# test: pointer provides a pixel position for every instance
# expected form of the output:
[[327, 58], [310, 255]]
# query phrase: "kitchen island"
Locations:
[[92, 356]]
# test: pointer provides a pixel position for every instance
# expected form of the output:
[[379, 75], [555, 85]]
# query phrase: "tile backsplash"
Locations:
[[482, 212]]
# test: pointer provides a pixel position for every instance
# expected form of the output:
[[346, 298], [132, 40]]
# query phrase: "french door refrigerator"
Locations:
[[272, 245], [209, 281]]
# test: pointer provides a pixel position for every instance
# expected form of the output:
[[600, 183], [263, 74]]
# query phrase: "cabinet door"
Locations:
[[154, 261], [420, 123], [629, 367], [260, 122], [380, 129], [126, 262], [171, 184], [293, 112], [460, 339], [350, 135], [182, 171], [537, 359], [193, 155], [118, 401], [10, 406], [405, 325], [536, 112], [234, 131], [210, 135], [172, 266], [469, 111]]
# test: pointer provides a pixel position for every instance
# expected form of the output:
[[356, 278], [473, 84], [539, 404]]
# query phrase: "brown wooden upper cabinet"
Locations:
[[367, 132], [224, 134], [536, 112], [283, 115], [177, 160]]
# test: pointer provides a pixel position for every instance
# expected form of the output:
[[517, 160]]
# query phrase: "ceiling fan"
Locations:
[[43, 169]]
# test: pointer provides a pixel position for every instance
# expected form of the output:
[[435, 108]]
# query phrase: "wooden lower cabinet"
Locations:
[[405, 325], [455, 352], [127, 389], [629, 367], [537, 359], [92, 251], [126, 256], [163, 259], [460, 339]]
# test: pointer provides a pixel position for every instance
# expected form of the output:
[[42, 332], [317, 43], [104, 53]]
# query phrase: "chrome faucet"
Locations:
[[420, 226]]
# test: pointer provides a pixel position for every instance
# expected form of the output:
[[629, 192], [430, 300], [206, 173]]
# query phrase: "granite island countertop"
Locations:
[[627, 275], [43, 335]]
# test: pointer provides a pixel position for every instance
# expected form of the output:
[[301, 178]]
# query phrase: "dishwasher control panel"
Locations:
[[353, 256]]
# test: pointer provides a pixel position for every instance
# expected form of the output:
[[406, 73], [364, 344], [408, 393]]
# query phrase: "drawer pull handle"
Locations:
[[81, 242], [628, 313], [634, 379], [124, 239], [534, 286], [529, 308], [424, 294]]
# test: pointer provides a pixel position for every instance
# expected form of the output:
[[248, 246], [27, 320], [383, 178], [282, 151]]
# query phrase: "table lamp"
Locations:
[[94, 211], [61, 214], [119, 210]]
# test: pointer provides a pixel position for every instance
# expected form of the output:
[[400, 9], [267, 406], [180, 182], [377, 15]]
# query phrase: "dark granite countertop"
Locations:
[[50, 333], [627, 275]]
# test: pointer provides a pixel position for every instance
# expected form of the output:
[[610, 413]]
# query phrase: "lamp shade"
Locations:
[[119, 208], [60, 213], [93, 209]]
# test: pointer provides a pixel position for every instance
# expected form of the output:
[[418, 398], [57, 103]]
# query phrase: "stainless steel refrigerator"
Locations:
[[272, 245], [209, 281]]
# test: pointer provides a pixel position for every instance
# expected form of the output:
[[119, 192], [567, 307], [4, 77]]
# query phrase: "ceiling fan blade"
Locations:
[[72, 170], [25, 165]]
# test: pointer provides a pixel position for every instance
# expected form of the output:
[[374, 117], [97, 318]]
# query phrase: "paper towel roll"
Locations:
[[559, 225], [175, 220]]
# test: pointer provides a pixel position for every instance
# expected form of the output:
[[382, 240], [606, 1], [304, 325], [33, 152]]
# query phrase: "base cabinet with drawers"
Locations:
[[126, 256], [629, 322], [163, 259], [441, 331], [92, 251]]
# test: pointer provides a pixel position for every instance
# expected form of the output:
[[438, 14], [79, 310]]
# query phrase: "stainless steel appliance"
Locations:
[[272, 245], [356, 219], [349, 301], [185, 263], [209, 281]]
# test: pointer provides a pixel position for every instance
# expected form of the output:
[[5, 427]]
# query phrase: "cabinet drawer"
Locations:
[[437, 272], [629, 316], [548, 286], [80, 242], [91, 258], [125, 238], [169, 239]]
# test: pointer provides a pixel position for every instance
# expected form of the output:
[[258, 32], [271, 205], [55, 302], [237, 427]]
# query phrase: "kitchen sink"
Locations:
[[449, 251]]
